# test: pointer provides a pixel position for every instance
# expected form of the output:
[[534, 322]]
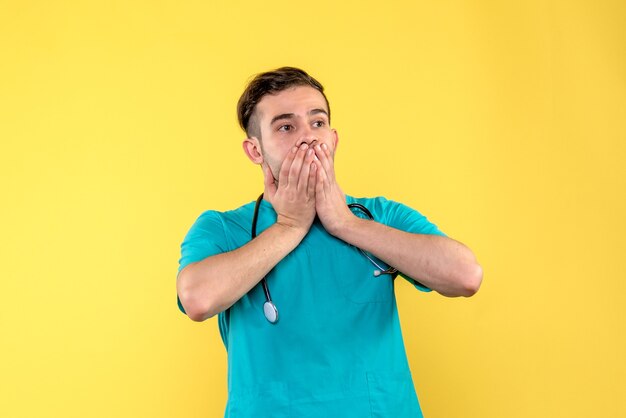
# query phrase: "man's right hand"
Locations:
[[293, 198], [201, 285]]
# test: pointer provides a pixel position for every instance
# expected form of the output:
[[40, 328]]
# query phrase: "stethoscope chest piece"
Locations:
[[270, 311]]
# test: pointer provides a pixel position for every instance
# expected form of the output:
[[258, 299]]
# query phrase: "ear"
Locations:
[[252, 148], [335, 140]]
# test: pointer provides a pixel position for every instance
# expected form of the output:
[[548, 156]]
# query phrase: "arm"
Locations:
[[439, 263], [214, 284]]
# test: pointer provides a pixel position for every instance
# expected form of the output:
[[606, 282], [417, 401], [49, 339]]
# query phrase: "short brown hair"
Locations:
[[271, 82]]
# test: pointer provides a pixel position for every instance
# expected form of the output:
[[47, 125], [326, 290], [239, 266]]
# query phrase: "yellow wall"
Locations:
[[503, 122]]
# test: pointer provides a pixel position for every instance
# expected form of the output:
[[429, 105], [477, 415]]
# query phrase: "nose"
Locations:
[[307, 136]]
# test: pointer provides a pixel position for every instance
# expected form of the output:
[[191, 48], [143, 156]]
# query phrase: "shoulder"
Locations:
[[218, 226], [212, 217], [396, 214], [376, 200]]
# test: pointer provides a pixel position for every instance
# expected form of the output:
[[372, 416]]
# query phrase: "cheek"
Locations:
[[279, 158], [275, 159]]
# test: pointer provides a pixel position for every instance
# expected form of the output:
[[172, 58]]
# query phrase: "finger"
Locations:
[[296, 166], [284, 168], [312, 180], [324, 160], [326, 150], [331, 162], [322, 182], [303, 181]]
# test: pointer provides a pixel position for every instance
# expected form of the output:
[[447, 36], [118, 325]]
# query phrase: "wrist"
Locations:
[[288, 227], [342, 227]]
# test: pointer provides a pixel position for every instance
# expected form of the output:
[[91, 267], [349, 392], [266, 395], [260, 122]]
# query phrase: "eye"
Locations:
[[285, 128], [319, 123]]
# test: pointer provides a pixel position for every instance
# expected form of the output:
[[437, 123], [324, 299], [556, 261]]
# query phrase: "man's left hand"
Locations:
[[330, 202]]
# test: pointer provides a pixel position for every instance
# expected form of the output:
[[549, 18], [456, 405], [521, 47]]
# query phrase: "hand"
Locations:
[[293, 198], [330, 202]]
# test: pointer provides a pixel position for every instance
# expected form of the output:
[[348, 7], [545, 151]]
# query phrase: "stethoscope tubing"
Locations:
[[266, 289]]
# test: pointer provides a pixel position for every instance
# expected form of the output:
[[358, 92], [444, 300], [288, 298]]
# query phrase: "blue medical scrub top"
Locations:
[[337, 349]]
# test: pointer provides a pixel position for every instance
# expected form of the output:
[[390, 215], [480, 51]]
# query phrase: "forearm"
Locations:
[[212, 285], [439, 263]]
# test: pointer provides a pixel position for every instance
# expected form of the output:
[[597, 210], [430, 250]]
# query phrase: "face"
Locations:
[[289, 118]]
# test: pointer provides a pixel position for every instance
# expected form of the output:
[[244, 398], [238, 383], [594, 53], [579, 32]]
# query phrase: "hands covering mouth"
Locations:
[[307, 187]]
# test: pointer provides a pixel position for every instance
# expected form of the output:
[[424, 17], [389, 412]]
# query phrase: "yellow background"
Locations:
[[503, 122]]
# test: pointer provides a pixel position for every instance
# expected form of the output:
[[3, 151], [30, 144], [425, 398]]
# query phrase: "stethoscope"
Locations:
[[269, 308]]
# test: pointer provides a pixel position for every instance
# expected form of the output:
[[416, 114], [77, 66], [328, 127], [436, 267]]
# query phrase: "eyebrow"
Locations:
[[282, 116], [317, 111], [293, 115]]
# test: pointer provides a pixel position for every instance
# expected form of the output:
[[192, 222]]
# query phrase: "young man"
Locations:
[[327, 340]]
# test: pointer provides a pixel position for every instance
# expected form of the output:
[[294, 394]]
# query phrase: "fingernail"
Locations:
[[309, 152], [324, 146]]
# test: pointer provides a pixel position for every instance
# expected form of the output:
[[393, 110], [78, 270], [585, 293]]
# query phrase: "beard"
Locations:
[[274, 166]]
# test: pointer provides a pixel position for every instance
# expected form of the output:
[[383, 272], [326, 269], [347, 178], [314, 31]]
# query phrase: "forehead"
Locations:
[[298, 100]]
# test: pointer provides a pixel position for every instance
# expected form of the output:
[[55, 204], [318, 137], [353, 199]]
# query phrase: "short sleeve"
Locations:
[[205, 238], [402, 217]]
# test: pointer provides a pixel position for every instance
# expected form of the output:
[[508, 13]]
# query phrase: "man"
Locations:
[[327, 341]]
